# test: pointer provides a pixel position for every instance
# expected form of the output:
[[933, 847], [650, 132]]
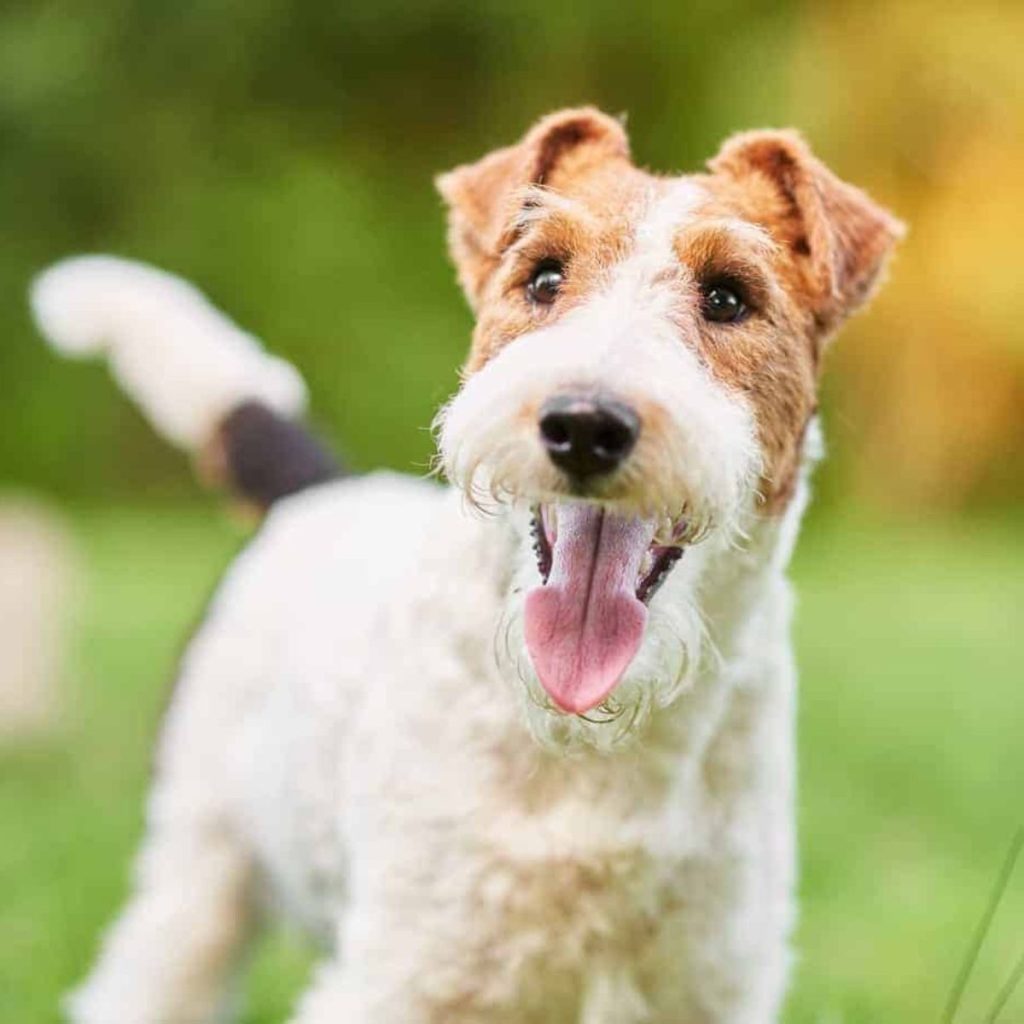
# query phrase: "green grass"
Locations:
[[912, 770]]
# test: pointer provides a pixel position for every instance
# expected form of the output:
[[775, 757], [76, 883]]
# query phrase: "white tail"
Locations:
[[178, 357]]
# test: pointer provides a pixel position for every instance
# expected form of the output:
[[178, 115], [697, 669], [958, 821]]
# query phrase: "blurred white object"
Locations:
[[37, 571], [184, 362]]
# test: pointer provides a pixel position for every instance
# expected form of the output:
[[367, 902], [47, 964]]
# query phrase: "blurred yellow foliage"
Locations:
[[924, 103]]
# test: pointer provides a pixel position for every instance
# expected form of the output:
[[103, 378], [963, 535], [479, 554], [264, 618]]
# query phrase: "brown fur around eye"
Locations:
[[582, 220]]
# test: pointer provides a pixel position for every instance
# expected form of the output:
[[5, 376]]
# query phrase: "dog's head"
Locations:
[[642, 374]]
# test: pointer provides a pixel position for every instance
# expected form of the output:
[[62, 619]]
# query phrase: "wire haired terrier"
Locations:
[[535, 766]]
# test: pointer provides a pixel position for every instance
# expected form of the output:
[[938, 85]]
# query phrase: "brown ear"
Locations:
[[482, 197], [844, 237]]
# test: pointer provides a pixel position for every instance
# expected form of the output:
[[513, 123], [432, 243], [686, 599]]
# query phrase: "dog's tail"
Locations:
[[203, 383]]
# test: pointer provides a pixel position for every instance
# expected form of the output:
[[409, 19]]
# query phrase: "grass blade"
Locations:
[[1006, 992], [974, 949]]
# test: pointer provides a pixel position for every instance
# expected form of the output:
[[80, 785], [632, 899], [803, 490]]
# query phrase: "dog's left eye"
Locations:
[[722, 303], [545, 282]]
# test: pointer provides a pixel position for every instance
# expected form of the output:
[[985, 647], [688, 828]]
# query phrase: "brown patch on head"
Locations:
[[839, 237], [830, 246], [585, 224], [483, 198], [567, 192], [769, 355]]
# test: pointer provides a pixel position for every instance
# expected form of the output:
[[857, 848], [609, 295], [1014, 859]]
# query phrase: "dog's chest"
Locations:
[[554, 870], [592, 860], [548, 898], [571, 902]]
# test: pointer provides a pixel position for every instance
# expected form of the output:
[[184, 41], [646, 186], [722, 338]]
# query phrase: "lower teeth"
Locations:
[[646, 566]]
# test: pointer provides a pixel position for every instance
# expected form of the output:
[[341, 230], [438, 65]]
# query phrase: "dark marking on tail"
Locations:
[[262, 456]]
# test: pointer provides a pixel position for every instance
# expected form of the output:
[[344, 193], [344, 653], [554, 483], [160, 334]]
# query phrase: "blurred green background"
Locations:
[[281, 155]]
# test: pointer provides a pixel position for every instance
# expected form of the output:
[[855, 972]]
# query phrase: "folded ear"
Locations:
[[482, 198], [842, 237]]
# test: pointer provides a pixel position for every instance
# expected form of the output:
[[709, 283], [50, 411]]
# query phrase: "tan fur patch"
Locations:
[[770, 357], [483, 197], [833, 243], [592, 234]]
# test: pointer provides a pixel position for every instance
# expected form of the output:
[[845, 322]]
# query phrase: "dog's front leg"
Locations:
[[340, 994], [611, 997], [168, 957], [332, 999], [335, 997], [339, 997]]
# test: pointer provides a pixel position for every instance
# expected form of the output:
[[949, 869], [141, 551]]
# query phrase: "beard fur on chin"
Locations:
[[663, 668]]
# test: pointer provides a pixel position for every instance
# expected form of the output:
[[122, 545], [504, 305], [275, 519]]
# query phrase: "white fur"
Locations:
[[365, 753], [179, 358], [344, 741]]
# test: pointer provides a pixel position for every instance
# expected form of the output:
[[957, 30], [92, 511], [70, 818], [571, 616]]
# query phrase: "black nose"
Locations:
[[587, 436]]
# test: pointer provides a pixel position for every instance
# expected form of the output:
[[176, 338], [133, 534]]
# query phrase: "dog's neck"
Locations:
[[743, 589], [742, 583]]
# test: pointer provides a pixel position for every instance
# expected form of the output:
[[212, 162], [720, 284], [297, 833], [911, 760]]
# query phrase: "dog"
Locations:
[[519, 750]]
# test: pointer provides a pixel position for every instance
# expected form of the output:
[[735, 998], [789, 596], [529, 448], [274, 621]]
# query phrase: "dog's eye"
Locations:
[[545, 282], [722, 303]]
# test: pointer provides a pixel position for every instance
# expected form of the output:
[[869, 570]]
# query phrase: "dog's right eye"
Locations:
[[545, 282], [722, 302]]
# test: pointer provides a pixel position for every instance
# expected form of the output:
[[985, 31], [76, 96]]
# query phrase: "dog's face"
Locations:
[[643, 371]]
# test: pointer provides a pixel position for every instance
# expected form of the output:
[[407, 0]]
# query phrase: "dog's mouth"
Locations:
[[585, 623]]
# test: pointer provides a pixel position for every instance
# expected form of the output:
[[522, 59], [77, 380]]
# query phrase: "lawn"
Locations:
[[912, 765]]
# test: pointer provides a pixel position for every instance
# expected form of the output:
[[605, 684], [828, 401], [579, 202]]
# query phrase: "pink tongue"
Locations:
[[584, 627]]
